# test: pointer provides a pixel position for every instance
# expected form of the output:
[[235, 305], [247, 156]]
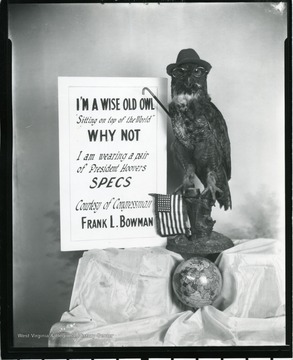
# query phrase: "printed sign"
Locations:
[[112, 146]]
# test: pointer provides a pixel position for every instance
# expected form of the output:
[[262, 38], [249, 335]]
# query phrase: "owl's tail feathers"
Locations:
[[224, 199]]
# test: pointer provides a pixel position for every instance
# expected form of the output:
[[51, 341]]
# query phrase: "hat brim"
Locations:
[[203, 63]]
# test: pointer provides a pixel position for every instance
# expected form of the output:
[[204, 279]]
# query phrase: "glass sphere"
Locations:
[[197, 282]]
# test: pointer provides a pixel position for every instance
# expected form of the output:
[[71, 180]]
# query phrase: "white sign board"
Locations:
[[112, 146]]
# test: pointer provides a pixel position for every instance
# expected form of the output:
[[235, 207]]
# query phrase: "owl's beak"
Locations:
[[191, 82]]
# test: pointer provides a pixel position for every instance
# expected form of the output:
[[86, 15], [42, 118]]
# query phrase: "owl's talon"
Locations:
[[211, 186], [213, 191]]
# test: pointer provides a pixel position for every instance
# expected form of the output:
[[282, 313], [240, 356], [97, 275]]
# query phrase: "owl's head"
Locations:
[[189, 74], [190, 79]]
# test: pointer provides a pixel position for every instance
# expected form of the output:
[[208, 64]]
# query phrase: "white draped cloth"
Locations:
[[125, 298]]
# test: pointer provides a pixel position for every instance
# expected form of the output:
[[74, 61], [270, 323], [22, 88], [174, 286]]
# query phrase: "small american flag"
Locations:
[[169, 211]]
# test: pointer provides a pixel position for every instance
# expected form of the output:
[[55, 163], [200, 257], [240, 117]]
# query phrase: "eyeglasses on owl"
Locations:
[[188, 69]]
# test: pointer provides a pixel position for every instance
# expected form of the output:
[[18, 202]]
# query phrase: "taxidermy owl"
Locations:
[[202, 145]]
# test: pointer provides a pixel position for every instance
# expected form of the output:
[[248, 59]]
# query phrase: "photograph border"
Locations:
[[8, 351]]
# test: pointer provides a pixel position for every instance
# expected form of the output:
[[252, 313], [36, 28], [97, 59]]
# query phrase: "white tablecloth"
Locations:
[[124, 298]]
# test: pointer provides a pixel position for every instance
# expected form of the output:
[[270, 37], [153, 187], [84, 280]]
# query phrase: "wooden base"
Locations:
[[208, 246]]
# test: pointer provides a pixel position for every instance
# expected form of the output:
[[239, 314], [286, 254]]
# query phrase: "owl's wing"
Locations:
[[181, 155], [219, 127]]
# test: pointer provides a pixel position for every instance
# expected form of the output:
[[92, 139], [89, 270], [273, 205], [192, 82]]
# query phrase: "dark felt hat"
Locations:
[[188, 56]]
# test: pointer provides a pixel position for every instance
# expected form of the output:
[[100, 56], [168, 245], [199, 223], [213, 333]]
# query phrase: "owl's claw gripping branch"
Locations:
[[211, 185]]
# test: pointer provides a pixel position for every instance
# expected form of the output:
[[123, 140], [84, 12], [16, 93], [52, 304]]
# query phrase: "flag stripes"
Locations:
[[169, 214]]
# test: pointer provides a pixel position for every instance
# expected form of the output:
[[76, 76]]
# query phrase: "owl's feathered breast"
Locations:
[[200, 127]]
